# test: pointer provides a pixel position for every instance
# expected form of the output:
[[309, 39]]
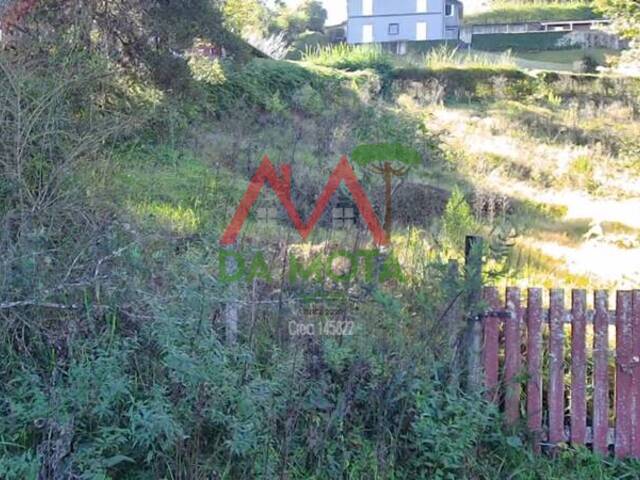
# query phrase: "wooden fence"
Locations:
[[525, 345]]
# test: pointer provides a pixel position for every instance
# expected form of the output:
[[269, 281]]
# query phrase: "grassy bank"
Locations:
[[600, 55], [513, 11]]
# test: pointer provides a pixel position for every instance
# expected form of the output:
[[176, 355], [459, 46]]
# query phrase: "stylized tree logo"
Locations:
[[381, 159]]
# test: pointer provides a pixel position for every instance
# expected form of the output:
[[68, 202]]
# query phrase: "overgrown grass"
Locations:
[[511, 11], [116, 366], [351, 57], [444, 57], [166, 188]]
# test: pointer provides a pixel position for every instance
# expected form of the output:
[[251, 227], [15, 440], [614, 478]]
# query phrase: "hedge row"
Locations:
[[533, 41]]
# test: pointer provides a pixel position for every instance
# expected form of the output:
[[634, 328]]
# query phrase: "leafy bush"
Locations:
[[588, 64], [306, 42], [457, 222], [260, 80], [466, 422]]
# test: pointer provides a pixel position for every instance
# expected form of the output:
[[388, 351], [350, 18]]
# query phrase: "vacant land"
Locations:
[[564, 145], [131, 351]]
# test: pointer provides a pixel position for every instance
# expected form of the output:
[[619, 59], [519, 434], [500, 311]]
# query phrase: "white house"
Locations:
[[402, 21]]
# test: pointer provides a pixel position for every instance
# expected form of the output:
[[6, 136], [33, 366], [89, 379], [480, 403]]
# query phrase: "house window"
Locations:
[[421, 31], [267, 215], [367, 7], [367, 34], [421, 6], [449, 10], [394, 28], [344, 217]]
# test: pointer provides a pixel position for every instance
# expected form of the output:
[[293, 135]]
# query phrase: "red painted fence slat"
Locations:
[[491, 345], [556, 366], [534, 365], [627, 371], [578, 367], [635, 366], [512, 363], [623, 374], [601, 372]]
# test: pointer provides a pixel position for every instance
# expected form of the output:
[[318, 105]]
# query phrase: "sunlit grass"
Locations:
[[174, 218], [209, 71], [349, 57], [505, 11], [446, 57], [172, 189], [529, 267], [141, 92]]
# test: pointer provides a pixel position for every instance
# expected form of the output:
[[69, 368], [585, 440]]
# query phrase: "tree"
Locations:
[[316, 15], [143, 36], [244, 16], [626, 20], [624, 13], [309, 15], [380, 158]]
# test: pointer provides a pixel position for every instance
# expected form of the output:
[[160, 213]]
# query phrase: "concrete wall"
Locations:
[[563, 34]]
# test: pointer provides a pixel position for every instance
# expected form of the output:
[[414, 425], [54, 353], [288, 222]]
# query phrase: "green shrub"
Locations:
[[588, 64], [260, 81], [306, 42], [351, 57], [465, 422], [499, 42], [457, 222]]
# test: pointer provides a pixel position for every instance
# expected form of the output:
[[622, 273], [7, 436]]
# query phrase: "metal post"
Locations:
[[473, 280]]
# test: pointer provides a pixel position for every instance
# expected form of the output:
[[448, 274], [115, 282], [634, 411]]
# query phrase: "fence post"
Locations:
[[635, 374], [453, 320], [491, 345], [578, 405], [534, 366], [230, 314], [555, 397], [512, 357], [601, 372], [473, 281]]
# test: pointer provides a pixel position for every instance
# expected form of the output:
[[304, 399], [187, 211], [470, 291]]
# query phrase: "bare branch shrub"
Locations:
[[52, 241]]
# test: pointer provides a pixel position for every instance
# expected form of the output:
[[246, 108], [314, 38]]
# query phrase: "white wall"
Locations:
[[402, 12]]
